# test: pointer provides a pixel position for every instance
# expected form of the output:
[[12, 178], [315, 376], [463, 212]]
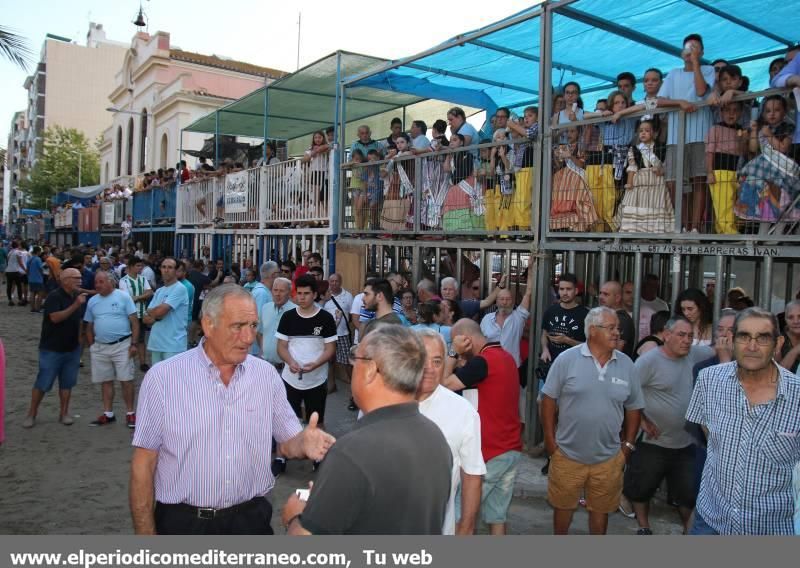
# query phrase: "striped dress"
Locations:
[[646, 206]]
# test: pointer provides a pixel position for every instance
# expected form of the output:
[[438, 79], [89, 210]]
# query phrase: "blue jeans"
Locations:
[[700, 527], [498, 487], [54, 364]]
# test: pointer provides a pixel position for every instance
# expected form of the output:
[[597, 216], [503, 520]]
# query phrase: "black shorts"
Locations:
[[312, 399], [650, 464]]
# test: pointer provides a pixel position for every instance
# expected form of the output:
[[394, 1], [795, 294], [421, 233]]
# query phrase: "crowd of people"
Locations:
[[439, 375], [740, 160]]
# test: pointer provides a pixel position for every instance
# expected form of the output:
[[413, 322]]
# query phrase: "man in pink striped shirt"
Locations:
[[205, 423]]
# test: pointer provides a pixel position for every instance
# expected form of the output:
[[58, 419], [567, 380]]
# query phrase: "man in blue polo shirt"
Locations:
[[112, 332], [167, 314]]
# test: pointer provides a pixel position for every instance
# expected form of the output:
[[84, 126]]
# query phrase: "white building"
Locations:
[[159, 91]]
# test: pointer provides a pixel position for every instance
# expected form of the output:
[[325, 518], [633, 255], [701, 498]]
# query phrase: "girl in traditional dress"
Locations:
[[770, 182], [571, 206], [646, 207], [399, 188], [463, 208], [435, 180]]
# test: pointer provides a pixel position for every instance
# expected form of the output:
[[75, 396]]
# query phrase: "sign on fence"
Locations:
[[108, 213], [236, 192]]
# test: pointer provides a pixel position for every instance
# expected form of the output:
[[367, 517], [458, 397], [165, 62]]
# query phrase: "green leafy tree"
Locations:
[[66, 153]]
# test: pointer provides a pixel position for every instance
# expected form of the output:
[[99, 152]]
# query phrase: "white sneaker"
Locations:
[[29, 422]]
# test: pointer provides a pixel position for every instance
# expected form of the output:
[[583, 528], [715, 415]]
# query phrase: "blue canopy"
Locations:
[[592, 42]]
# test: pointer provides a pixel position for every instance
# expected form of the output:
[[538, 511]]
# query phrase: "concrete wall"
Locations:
[[79, 80]]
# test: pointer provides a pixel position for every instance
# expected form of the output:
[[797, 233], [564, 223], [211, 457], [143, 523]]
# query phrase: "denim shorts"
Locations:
[[54, 364], [498, 487], [36, 286]]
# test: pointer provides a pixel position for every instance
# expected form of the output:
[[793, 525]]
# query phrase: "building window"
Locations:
[[130, 147], [119, 151], [164, 150], [143, 141]]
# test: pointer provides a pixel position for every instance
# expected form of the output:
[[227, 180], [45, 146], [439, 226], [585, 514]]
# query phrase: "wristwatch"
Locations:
[[630, 446]]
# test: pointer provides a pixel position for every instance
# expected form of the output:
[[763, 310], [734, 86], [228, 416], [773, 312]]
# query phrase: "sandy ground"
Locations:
[[57, 479]]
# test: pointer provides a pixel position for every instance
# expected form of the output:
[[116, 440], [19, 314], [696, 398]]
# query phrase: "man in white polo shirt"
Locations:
[[459, 422], [112, 331]]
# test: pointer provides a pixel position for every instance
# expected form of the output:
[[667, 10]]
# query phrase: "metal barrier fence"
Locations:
[[287, 194], [482, 190], [648, 173]]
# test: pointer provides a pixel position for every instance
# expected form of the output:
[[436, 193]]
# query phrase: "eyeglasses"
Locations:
[[609, 328], [352, 357], [762, 339]]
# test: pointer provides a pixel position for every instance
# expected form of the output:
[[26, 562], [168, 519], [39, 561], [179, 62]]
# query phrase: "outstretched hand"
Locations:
[[316, 442]]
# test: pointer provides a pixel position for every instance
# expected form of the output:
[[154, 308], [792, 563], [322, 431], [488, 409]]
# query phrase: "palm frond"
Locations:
[[15, 47]]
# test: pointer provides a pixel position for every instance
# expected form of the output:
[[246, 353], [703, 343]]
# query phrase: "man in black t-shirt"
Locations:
[[59, 346], [391, 473], [562, 323]]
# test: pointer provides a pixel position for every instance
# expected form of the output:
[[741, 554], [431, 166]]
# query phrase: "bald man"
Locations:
[[611, 297], [59, 345]]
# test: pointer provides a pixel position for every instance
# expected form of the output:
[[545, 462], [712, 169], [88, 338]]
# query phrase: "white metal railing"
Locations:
[[197, 201], [280, 195], [294, 194]]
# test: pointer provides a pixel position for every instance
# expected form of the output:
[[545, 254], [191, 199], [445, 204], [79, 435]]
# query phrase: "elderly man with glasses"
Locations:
[[748, 410], [592, 394], [360, 491]]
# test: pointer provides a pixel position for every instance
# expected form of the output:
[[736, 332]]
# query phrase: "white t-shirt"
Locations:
[[461, 426], [345, 300], [656, 304], [15, 260], [148, 273], [355, 309]]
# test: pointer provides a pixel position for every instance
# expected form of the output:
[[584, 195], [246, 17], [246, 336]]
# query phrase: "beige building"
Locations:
[[158, 91], [70, 86]]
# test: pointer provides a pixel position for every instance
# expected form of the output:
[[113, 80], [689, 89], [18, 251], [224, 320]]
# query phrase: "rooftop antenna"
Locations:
[[299, 14]]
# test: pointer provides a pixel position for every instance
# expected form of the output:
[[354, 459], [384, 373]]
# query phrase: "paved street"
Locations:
[[74, 480]]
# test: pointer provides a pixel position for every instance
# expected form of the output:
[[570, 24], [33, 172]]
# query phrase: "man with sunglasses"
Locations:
[[748, 410]]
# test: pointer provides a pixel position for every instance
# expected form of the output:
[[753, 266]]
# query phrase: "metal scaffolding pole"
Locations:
[[637, 294], [718, 287], [765, 297]]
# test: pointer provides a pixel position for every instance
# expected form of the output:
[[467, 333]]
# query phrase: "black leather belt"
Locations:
[[120, 340], [209, 513]]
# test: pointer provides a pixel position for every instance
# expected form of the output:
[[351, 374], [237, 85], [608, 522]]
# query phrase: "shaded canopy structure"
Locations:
[[295, 106], [592, 41]]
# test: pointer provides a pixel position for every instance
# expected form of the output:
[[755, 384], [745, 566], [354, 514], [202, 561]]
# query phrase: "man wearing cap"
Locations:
[[59, 346]]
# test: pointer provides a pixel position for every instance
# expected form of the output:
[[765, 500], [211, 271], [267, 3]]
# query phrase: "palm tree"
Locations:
[[14, 47]]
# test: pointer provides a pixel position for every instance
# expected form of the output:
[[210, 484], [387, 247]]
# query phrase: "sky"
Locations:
[[263, 32]]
